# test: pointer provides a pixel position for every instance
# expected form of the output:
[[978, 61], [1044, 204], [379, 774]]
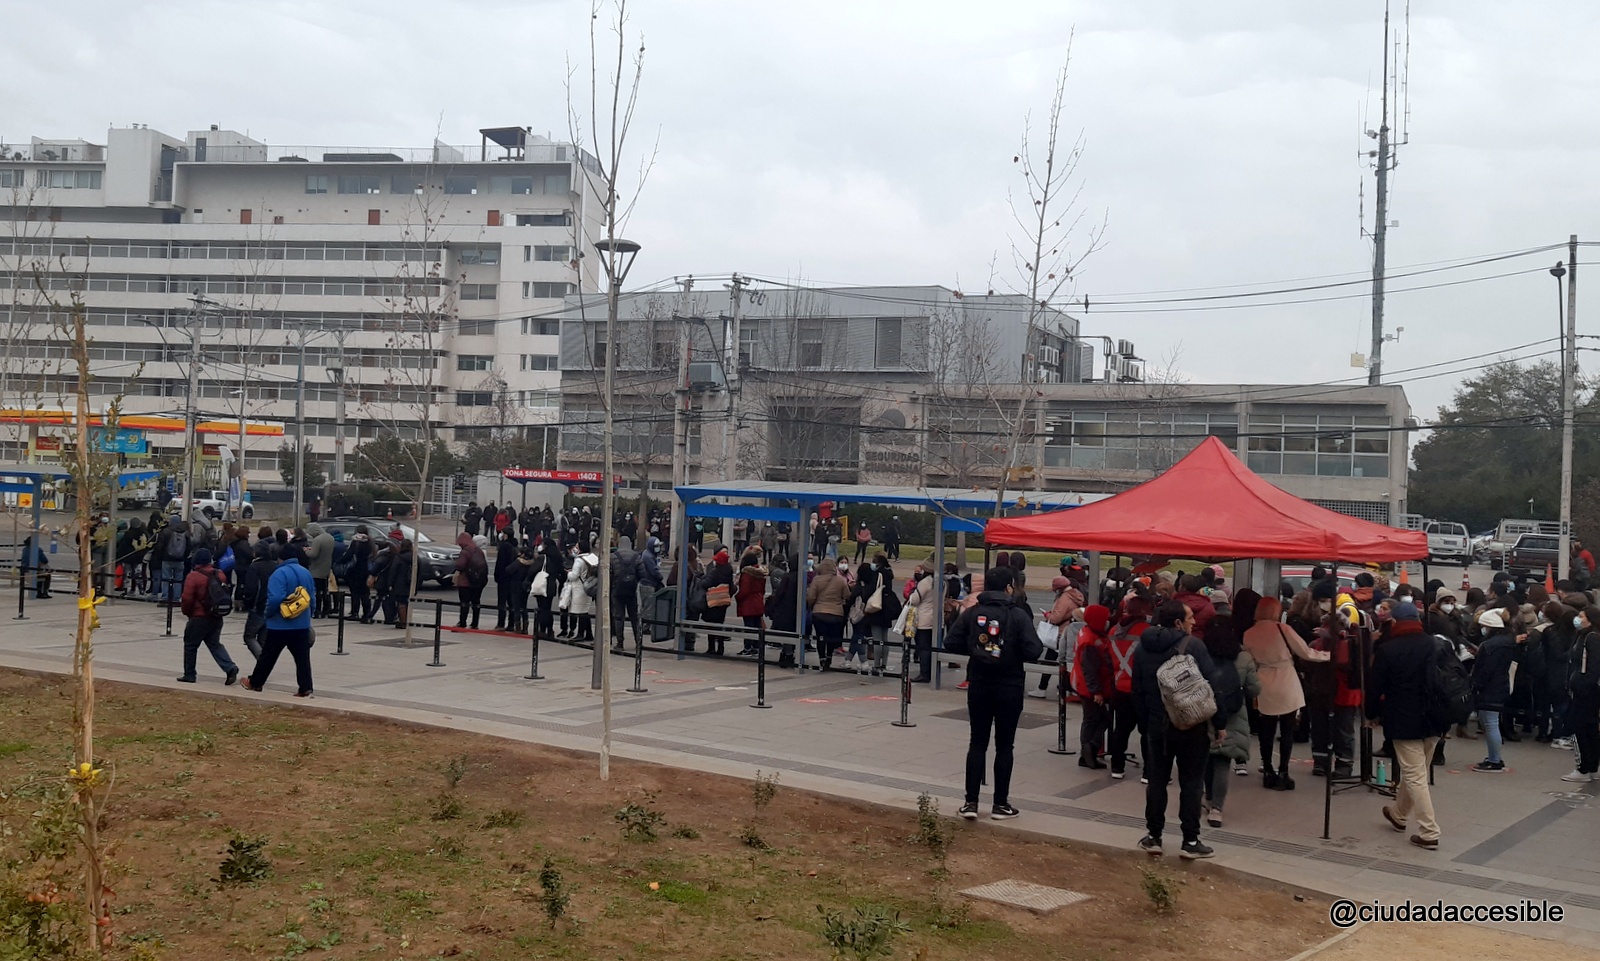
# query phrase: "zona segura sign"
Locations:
[[557, 476]]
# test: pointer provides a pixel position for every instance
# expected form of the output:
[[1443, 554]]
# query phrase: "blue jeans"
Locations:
[[171, 581], [1490, 720]]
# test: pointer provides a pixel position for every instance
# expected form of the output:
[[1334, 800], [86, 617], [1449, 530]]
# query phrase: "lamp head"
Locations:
[[1558, 271], [616, 256]]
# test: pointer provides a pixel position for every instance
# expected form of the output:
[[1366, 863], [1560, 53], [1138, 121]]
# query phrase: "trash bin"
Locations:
[[659, 612]]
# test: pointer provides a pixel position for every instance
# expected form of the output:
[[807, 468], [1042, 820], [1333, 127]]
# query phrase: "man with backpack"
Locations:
[[627, 570], [1173, 691], [172, 548], [1409, 694], [206, 601], [998, 638]]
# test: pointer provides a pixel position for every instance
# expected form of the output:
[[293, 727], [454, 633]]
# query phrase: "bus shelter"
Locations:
[[958, 510], [28, 482]]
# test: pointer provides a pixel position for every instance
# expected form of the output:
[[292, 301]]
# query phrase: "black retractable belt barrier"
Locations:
[[438, 620], [1061, 712], [905, 687], [761, 670], [338, 598]]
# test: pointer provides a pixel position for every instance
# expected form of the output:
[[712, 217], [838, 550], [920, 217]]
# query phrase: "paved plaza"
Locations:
[[1520, 834]]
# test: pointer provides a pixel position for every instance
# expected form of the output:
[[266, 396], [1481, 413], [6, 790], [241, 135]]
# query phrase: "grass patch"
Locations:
[[13, 747], [679, 892]]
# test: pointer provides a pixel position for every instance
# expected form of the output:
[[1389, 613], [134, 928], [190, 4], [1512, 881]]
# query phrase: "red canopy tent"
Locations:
[[1209, 506]]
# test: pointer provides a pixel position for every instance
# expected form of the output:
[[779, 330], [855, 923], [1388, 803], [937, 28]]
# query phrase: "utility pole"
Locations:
[[1569, 376], [730, 436], [300, 434], [191, 413], [337, 373], [1380, 228], [680, 419]]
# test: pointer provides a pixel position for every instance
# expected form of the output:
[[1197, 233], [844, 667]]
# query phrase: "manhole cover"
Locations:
[[1026, 722], [1038, 898]]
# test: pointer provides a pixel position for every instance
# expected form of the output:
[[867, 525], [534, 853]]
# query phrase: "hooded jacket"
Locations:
[[196, 598], [651, 577], [627, 568], [1491, 671], [284, 580], [1093, 672], [1068, 600], [319, 551], [998, 638], [1397, 684], [1156, 646]]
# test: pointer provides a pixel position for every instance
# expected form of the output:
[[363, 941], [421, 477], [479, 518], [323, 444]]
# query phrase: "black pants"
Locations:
[[924, 649], [1092, 731], [1584, 714], [299, 646], [861, 551], [1123, 720], [207, 631], [324, 602], [892, 548], [997, 708], [830, 634], [517, 615], [502, 612], [751, 644], [1281, 725], [544, 620], [624, 610], [1191, 751], [360, 598], [471, 599]]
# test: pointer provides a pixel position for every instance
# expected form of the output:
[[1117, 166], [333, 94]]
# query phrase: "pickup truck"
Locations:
[[1449, 542], [1531, 554], [1506, 534], [215, 503]]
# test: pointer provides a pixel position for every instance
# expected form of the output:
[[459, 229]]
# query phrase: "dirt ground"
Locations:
[[375, 855]]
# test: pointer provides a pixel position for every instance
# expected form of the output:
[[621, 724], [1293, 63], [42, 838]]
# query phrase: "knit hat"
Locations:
[[1059, 584], [1324, 590], [720, 557], [202, 558], [396, 536], [1491, 619], [1096, 617], [1406, 611]]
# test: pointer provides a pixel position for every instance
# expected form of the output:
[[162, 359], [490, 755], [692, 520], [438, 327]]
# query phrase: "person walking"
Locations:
[[751, 599], [863, 541], [1397, 701], [1274, 647], [253, 595], [627, 571], [319, 561], [891, 538], [199, 603], [505, 555], [472, 519], [287, 629], [472, 575], [1491, 684], [827, 597], [1236, 685], [172, 547], [998, 638], [1583, 686], [1187, 748]]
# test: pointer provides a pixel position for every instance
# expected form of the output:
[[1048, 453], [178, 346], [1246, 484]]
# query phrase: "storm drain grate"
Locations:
[[1038, 898]]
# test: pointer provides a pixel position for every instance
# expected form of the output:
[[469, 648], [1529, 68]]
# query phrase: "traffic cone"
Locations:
[[1466, 585], [1405, 575], [1549, 581]]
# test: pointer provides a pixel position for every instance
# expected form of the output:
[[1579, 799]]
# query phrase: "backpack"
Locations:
[[345, 566], [1122, 645], [177, 545], [219, 600], [1185, 692], [626, 577], [1448, 689]]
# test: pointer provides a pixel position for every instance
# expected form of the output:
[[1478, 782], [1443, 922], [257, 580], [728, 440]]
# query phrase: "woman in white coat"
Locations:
[[1274, 647], [585, 574]]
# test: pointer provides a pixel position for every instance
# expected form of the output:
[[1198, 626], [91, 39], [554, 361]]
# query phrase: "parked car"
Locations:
[[435, 561], [1299, 576], [1532, 554], [1506, 534], [215, 503], [1449, 543]]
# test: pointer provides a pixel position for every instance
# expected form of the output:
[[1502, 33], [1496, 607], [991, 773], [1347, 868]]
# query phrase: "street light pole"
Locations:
[[336, 374], [1569, 370], [191, 412]]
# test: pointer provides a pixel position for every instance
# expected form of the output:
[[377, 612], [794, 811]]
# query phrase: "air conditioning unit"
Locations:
[[704, 376], [1125, 348]]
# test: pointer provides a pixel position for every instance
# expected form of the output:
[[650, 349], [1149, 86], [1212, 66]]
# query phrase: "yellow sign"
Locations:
[[24, 500]]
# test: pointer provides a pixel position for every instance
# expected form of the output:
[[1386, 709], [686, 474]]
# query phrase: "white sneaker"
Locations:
[[1578, 777], [1039, 694], [1563, 743]]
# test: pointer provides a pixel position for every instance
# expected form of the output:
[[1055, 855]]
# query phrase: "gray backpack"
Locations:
[[1185, 692]]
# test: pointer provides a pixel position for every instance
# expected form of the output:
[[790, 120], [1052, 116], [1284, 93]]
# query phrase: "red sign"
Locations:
[[54, 443], [555, 476]]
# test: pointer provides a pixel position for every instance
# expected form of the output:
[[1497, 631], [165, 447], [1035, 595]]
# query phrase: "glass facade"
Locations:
[[1322, 445]]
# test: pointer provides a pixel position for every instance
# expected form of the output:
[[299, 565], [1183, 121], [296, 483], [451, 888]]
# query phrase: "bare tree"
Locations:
[[609, 120], [1054, 244]]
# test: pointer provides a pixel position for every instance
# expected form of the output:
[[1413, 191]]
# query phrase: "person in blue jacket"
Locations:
[[293, 633]]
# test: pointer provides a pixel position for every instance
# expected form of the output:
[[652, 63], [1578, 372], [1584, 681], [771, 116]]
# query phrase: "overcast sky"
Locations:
[[870, 142]]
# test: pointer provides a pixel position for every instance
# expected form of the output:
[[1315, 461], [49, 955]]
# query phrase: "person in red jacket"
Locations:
[[751, 598], [1121, 642], [1335, 733], [205, 623], [1188, 594], [1094, 679]]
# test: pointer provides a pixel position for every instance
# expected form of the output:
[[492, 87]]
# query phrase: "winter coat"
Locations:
[[585, 570], [627, 568], [1202, 608], [1239, 675], [253, 592], [196, 598], [283, 582], [1491, 674], [751, 599], [998, 638], [1583, 679], [397, 577], [319, 551], [1397, 684], [518, 578], [1156, 646], [505, 555], [867, 581], [829, 593], [780, 607], [922, 598], [1555, 642], [1068, 600], [1275, 647], [716, 574], [1447, 626]]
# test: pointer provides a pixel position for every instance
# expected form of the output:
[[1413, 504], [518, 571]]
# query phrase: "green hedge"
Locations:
[[361, 500]]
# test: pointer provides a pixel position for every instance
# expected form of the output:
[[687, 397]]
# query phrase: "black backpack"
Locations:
[[1448, 687], [219, 599]]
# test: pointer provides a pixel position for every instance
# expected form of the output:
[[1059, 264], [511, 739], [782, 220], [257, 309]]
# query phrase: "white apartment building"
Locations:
[[259, 249]]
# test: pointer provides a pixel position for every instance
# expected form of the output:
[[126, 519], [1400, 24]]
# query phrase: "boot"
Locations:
[[1319, 765], [1342, 768], [1285, 782], [1269, 780], [1087, 758]]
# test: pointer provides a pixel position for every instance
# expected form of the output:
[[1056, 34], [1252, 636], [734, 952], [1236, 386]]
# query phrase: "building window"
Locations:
[[888, 342], [479, 255], [359, 184], [541, 398], [556, 183], [599, 352], [474, 398], [543, 328], [11, 178], [1320, 445], [544, 220], [317, 183], [749, 339], [475, 325], [559, 254], [510, 185], [70, 179], [479, 291], [461, 185], [551, 290], [540, 362], [405, 184], [474, 362], [808, 353]]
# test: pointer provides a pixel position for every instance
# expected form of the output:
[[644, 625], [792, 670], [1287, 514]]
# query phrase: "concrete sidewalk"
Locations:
[[1520, 834]]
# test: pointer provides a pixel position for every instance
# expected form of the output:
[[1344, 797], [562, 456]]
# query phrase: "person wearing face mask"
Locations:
[[1443, 620], [998, 638], [1491, 683], [1583, 686], [1550, 686], [1274, 647]]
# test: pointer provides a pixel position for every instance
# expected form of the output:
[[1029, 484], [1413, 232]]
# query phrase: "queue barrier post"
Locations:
[[170, 606], [1061, 711], [533, 669], [22, 591], [905, 687], [338, 598], [638, 662], [761, 669], [438, 621]]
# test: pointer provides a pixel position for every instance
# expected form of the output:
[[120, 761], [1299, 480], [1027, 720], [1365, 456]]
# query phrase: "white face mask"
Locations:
[[1447, 608]]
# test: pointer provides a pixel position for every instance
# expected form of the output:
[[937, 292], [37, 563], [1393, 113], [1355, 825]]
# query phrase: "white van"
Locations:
[[1449, 543]]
